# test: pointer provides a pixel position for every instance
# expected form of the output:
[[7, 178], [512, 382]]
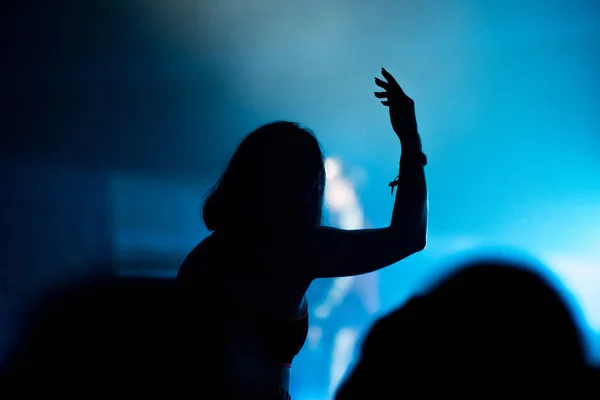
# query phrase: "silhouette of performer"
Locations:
[[267, 244]]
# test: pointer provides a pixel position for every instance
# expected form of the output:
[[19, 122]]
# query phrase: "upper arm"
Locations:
[[333, 252]]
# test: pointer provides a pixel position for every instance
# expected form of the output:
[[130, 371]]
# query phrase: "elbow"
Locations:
[[421, 237], [419, 245], [420, 241], [413, 242]]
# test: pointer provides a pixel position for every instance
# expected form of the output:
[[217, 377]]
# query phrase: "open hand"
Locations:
[[402, 110]]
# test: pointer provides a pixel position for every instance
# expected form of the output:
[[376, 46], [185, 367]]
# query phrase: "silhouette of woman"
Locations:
[[267, 243]]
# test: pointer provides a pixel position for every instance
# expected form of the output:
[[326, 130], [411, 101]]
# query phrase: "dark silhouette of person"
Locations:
[[267, 244], [104, 335], [101, 336], [493, 328]]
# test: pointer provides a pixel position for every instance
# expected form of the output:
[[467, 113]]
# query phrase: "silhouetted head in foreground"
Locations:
[[276, 177], [108, 336], [491, 327]]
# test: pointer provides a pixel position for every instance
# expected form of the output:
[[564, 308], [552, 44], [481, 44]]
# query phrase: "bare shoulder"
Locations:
[[197, 259]]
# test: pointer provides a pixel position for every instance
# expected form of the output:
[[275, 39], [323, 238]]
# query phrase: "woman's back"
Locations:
[[245, 271], [262, 310]]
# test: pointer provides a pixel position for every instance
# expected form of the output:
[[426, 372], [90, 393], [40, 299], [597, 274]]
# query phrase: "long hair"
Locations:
[[275, 177]]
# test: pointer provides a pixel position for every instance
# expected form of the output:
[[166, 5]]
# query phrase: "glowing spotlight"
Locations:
[[339, 195], [332, 168], [343, 349], [322, 311], [352, 219], [315, 333]]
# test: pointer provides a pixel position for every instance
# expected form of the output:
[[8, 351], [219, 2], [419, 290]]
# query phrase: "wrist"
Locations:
[[413, 157], [412, 148]]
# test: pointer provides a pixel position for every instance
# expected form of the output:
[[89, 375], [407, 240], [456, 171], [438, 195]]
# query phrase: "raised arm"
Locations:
[[335, 252]]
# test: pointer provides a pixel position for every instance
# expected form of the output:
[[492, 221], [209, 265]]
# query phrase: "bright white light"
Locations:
[[343, 348], [323, 311], [332, 168], [352, 219], [339, 195], [344, 283], [341, 199], [315, 333]]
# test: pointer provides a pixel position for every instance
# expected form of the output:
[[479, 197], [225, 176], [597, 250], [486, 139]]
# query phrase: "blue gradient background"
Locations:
[[507, 96]]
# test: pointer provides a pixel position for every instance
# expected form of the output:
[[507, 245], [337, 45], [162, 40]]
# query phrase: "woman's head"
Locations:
[[275, 177]]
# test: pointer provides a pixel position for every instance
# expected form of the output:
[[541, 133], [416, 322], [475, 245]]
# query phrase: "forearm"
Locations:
[[410, 207]]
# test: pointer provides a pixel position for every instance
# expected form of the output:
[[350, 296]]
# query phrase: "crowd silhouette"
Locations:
[[491, 328], [231, 324]]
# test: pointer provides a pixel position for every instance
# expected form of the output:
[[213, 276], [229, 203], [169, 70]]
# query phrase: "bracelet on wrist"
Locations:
[[409, 158], [414, 157]]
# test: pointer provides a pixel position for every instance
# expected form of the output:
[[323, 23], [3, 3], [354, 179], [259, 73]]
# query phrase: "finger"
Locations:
[[381, 84], [381, 95], [388, 77], [385, 103], [391, 80]]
